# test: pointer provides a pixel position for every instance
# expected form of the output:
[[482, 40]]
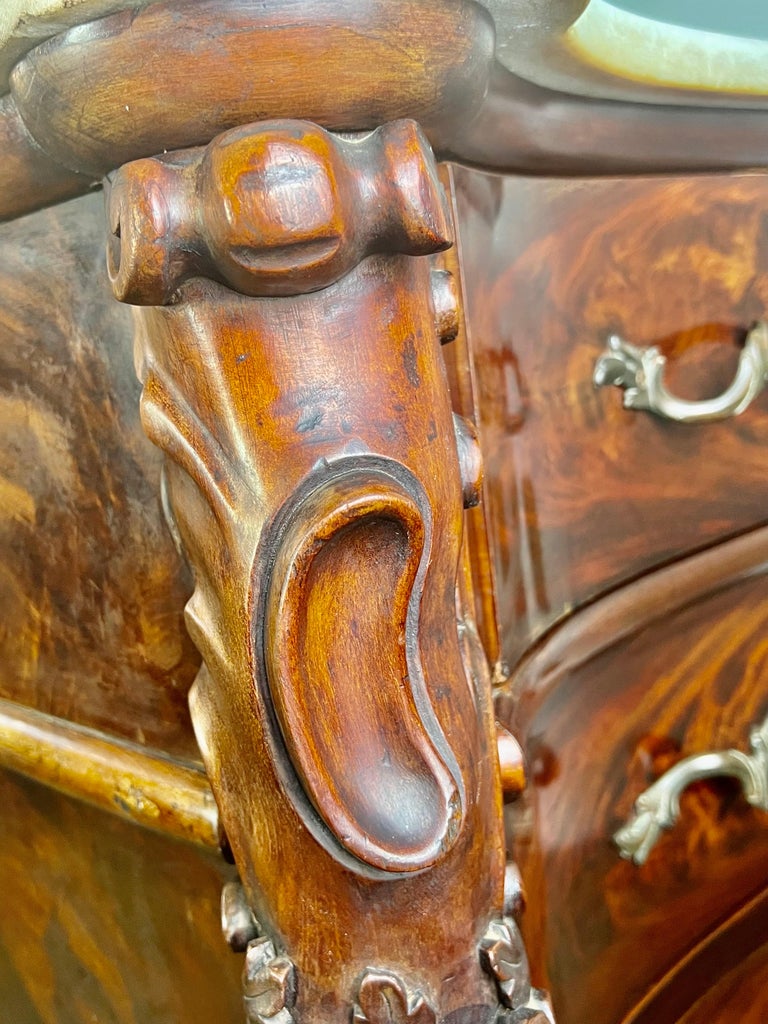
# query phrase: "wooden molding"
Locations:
[[207, 65], [178, 72], [111, 774], [628, 611]]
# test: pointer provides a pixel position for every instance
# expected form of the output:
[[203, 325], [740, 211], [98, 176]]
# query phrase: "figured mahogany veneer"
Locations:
[[674, 665], [107, 922], [91, 589], [581, 494]]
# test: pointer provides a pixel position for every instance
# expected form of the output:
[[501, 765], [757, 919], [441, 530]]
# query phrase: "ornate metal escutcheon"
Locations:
[[658, 808], [640, 372]]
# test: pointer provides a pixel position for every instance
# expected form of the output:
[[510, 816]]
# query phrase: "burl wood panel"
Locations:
[[106, 922], [672, 666], [91, 588], [580, 493]]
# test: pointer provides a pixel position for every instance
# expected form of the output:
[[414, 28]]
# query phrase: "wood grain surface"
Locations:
[[317, 478], [106, 922], [524, 128], [672, 666], [123, 778], [581, 494], [90, 103], [741, 993], [462, 384], [721, 978], [29, 178], [91, 588]]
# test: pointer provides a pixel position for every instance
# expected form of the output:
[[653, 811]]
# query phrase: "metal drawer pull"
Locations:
[[640, 371], [659, 806]]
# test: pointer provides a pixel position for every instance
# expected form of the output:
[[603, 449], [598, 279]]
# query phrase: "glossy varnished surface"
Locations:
[[581, 494], [675, 665], [140, 82], [741, 993], [290, 355], [123, 778], [721, 979], [91, 589], [103, 921]]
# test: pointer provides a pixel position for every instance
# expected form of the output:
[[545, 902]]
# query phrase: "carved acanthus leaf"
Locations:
[[384, 998]]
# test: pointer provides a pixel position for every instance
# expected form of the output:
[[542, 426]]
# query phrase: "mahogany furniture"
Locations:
[[332, 581]]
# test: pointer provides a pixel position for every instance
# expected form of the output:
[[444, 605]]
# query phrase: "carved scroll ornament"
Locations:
[[288, 339]]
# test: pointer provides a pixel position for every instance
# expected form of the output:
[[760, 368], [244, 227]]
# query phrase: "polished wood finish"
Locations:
[[227, 214], [720, 979], [477, 576], [524, 128], [293, 289], [90, 105], [511, 763], [673, 665], [91, 587], [122, 778], [581, 494], [317, 483], [103, 921]]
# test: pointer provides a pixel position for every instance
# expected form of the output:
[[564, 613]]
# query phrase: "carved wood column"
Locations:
[[288, 330]]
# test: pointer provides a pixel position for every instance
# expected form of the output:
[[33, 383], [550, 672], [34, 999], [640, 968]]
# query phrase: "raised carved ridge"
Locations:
[[384, 998], [371, 757]]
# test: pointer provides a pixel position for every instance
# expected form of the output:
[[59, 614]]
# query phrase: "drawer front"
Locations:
[[581, 493], [675, 665]]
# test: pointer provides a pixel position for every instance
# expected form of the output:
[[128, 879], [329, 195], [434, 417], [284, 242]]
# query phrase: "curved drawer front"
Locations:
[[739, 993], [582, 493], [674, 665]]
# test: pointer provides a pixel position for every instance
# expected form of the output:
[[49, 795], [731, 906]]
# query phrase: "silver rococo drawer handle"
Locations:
[[659, 806], [640, 371]]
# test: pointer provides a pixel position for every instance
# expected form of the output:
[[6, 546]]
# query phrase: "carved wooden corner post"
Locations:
[[288, 340]]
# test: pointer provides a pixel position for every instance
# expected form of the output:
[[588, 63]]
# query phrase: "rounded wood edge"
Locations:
[[67, 122], [634, 606], [29, 178], [114, 775], [132, 84]]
